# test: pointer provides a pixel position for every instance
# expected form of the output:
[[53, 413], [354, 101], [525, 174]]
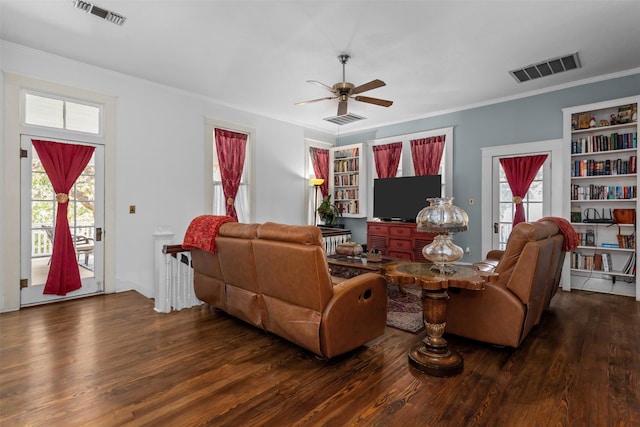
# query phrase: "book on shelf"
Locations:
[[630, 265], [610, 245]]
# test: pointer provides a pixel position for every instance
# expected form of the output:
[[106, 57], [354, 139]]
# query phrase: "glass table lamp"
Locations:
[[443, 218]]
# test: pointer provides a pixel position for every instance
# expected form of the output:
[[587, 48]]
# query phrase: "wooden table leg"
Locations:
[[433, 356]]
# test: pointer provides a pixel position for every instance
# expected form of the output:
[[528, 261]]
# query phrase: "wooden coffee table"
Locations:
[[433, 355], [348, 267]]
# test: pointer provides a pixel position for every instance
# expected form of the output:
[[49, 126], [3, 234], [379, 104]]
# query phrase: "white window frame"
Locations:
[[64, 132], [14, 127], [554, 147], [247, 180], [405, 168]]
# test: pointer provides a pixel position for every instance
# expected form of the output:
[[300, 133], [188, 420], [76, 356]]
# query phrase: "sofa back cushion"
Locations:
[[208, 283], [294, 279], [235, 253]]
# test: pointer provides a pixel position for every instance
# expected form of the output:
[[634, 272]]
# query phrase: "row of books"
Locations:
[[345, 180], [350, 207], [349, 165], [350, 152], [627, 241], [592, 167], [598, 143], [345, 194], [603, 192], [600, 262]]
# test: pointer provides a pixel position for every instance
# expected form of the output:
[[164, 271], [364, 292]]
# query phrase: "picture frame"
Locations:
[[624, 113], [584, 120]]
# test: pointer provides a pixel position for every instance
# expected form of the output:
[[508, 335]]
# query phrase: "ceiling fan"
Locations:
[[345, 90]]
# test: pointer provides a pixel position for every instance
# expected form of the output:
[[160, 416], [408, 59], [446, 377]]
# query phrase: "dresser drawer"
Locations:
[[400, 245], [379, 229], [403, 255], [400, 232]]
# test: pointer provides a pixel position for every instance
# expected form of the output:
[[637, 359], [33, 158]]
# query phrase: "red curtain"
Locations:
[[520, 172], [63, 164], [387, 158], [320, 161], [230, 147], [427, 154]]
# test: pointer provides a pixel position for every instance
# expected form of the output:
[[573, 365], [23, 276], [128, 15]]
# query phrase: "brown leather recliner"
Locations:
[[528, 277], [276, 277]]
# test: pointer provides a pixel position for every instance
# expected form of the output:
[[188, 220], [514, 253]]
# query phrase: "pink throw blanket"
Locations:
[[202, 232], [571, 239]]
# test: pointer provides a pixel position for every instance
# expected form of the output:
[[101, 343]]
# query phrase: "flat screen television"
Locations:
[[401, 198]]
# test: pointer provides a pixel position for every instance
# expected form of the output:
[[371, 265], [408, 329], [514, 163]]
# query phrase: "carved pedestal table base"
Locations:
[[433, 355]]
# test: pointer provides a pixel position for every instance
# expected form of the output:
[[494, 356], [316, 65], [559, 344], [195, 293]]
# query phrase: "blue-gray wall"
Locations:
[[535, 118]]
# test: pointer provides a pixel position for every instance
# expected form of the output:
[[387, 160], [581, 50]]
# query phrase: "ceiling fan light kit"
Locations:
[[344, 90]]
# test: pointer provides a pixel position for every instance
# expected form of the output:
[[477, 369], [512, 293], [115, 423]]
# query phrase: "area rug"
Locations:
[[404, 310]]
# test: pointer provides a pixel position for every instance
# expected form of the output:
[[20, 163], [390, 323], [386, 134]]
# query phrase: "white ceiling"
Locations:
[[434, 56]]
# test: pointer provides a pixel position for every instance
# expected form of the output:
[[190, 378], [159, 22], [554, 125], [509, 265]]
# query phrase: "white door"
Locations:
[[86, 219], [536, 203]]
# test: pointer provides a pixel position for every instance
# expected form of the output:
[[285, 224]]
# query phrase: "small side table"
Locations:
[[433, 355]]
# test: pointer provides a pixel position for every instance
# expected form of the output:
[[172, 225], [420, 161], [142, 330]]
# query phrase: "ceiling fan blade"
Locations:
[[376, 101], [321, 84], [342, 108], [373, 84], [314, 100]]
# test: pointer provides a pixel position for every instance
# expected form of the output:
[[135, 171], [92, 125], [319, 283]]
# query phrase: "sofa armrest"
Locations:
[[495, 254], [356, 314], [490, 263]]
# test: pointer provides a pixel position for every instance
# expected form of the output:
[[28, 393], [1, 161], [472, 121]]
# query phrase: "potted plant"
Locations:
[[329, 212]]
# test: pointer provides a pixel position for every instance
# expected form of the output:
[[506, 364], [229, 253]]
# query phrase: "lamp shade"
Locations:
[[316, 181], [441, 216]]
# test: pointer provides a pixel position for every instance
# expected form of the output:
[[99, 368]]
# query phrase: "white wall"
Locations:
[[159, 160]]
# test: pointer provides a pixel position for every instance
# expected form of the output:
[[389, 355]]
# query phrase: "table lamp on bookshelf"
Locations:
[[316, 182]]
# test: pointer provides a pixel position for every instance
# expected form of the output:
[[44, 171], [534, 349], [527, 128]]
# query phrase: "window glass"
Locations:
[[82, 118], [60, 114], [43, 111]]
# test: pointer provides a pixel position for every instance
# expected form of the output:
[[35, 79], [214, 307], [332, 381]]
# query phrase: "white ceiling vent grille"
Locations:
[[112, 17], [344, 119], [546, 68]]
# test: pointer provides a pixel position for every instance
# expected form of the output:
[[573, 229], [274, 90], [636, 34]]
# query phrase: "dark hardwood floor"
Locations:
[[111, 360]]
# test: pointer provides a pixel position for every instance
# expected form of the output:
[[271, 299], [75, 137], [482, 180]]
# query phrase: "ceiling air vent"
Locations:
[[547, 68], [112, 17], [344, 119]]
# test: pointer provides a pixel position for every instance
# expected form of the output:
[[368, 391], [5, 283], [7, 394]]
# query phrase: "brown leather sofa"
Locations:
[[528, 276], [276, 277]]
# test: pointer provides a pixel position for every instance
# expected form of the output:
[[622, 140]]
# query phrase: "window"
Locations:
[[532, 203], [214, 195], [59, 113], [309, 174], [405, 168]]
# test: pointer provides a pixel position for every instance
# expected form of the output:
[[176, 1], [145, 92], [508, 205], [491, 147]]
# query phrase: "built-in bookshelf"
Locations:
[[347, 180], [601, 145]]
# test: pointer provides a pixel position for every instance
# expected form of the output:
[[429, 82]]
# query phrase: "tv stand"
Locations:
[[397, 239]]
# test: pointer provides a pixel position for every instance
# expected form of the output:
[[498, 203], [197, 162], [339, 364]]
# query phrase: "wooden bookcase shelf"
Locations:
[[347, 180], [601, 176]]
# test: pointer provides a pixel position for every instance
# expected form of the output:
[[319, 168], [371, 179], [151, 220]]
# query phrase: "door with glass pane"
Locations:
[[536, 203], [38, 213]]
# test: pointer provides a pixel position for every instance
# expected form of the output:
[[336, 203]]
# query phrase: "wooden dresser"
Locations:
[[397, 239]]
